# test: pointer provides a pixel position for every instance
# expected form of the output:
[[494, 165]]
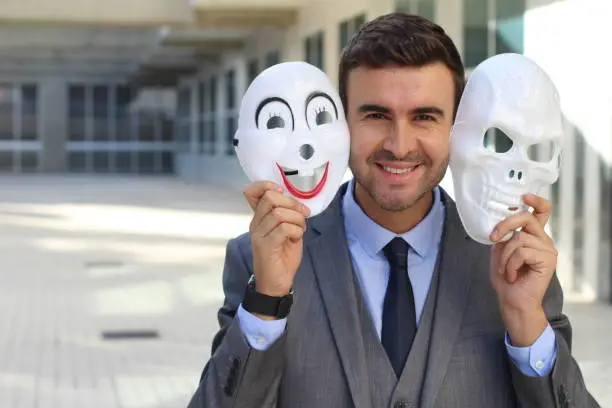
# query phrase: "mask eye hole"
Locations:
[[542, 152], [497, 141]]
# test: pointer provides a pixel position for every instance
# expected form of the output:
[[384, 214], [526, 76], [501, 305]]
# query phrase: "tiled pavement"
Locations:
[[82, 255]]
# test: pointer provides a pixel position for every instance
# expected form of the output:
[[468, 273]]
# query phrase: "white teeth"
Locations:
[[397, 171], [306, 173]]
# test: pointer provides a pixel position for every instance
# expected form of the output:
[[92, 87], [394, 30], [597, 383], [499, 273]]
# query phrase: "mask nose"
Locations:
[[306, 151], [516, 175]]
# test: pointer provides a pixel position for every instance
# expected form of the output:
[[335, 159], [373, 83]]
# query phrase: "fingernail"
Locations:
[[494, 235], [279, 189]]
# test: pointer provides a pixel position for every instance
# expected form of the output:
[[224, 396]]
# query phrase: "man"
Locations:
[[389, 256]]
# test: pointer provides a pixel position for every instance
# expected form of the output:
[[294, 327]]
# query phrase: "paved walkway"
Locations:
[[86, 258]]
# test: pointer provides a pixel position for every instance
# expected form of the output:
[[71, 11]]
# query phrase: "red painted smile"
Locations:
[[304, 184]]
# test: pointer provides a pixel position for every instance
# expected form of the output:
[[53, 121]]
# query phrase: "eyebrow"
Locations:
[[422, 110]]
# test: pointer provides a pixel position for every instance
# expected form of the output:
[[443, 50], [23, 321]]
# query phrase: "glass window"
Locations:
[[348, 28], [509, 30], [101, 161], [29, 112], [77, 161], [29, 161], [231, 131], [213, 94], [146, 126], [6, 112], [146, 162], [167, 162], [314, 50], [123, 162], [230, 89], [343, 34], [123, 98], [426, 8], [252, 70], [273, 58], [6, 161], [76, 112], [101, 128], [475, 31]]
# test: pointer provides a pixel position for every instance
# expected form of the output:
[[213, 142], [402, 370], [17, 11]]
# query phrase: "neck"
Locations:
[[399, 222]]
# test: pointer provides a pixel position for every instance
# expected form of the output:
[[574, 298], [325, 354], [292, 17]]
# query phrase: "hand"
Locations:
[[522, 269], [277, 228]]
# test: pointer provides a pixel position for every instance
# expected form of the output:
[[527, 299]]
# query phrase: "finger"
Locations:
[[254, 191], [542, 208], [279, 216], [524, 220], [274, 199], [520, 257], [520, 239], [284, 232]]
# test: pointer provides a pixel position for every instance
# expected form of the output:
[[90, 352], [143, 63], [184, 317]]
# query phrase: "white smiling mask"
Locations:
[[292, 131], [506, 141]]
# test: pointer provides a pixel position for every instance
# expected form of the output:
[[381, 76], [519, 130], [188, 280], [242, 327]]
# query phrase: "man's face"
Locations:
[[399, 120]]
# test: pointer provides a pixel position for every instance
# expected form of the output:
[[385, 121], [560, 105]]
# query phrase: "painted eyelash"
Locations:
[[320, 109]]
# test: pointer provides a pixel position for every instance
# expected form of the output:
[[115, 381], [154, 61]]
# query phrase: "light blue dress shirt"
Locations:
[[366, 239]]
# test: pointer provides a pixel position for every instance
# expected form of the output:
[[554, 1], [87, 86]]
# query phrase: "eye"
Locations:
[[274, 113], [375, 115], [425, 117], [542, 152], [320, 110], [497, 141]]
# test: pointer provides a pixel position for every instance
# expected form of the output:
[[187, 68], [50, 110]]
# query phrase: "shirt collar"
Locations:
[[372, 237]]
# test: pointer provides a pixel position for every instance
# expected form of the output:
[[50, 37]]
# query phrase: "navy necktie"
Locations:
[[399, 315]]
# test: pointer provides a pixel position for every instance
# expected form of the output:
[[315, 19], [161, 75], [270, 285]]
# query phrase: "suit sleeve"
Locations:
[[236, 374], [564, 385]]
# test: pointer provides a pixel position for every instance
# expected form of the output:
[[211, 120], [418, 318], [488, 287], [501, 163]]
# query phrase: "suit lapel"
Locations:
[[458, 258], [328, 250]]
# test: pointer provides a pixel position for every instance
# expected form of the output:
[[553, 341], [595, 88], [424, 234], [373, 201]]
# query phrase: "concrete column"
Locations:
[[53, 124], [449, 15]]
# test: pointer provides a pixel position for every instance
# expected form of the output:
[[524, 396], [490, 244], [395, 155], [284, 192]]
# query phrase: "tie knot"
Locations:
[[396, 252]]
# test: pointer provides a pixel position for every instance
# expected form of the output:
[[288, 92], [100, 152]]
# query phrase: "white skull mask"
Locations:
[[509, 112], [292, 130]]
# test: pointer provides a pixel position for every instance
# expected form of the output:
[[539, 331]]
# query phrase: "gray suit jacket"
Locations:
[[330, 356]]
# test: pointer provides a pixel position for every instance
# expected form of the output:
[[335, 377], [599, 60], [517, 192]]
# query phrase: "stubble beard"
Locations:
[[426, 185]]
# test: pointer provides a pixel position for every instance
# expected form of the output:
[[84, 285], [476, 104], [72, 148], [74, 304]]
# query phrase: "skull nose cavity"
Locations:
[[306, 151], [516, 175]]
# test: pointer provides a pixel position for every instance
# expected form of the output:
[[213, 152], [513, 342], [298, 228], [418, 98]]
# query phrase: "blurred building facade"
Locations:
[[154, 86]]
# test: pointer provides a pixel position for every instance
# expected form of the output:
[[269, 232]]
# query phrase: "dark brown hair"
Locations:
[[404, 40]]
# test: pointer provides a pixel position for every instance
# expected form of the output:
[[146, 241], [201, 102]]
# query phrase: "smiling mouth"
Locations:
[[304, 184]]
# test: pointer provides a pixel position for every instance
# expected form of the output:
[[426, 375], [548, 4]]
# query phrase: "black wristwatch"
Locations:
[[273, 306]]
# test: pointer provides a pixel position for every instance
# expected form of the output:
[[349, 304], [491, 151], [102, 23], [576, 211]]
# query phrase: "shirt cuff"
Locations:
[[538, 359], [260, 333]]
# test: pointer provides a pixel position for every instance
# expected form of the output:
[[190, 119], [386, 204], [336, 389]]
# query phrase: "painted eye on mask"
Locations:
[[320, 110], [274, 114]]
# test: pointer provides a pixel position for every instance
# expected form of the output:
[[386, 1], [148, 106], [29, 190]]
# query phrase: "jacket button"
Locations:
[[402, 404]]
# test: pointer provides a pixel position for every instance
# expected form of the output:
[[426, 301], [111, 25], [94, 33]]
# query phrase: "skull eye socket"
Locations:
[[497, 141], [542, 152]]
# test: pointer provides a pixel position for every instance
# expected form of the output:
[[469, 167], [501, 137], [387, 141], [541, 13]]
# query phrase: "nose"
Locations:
[[516, 175], [306, 151], [399, 140]]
